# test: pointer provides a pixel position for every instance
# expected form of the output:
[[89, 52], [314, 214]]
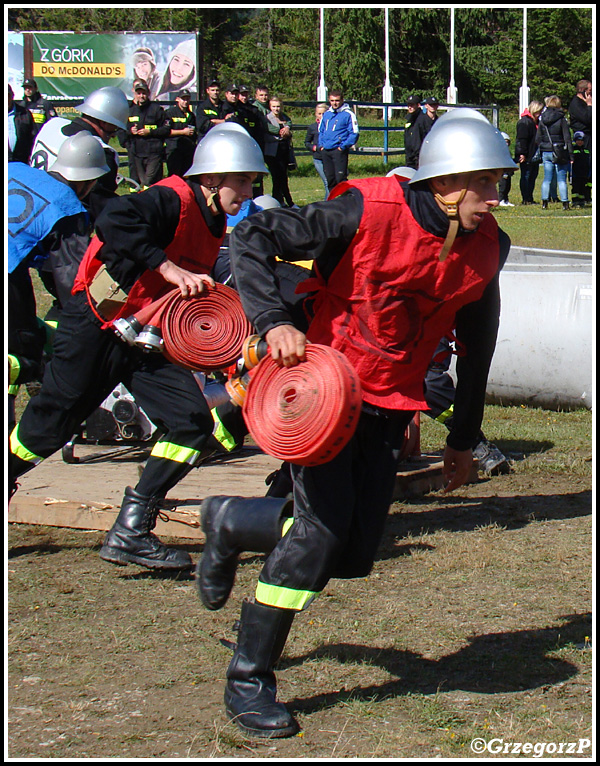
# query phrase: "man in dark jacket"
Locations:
[[147, 130], [41, 109], [580, 111], [416, 128], [208, 112], [181, 143], [20, 129], [418, 258]]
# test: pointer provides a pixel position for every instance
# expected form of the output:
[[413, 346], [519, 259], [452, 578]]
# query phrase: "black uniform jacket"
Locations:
[[323, 231], [136, 230]]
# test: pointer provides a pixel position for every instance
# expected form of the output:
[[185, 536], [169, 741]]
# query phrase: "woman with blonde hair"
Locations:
[[526, 150], [554, 140]]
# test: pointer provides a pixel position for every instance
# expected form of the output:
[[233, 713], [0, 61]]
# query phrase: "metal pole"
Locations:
[[451, 92], [524, 89], [388, 91], [322, 89]]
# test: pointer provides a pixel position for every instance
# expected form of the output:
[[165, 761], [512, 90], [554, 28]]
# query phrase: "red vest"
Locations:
[[193, 248], [390, 300]]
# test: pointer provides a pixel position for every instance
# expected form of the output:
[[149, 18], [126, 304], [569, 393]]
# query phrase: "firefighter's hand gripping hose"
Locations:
[[304, 414], [205, 332]]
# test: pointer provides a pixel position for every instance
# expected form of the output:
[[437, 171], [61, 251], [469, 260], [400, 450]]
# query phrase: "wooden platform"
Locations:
[[87, 495]]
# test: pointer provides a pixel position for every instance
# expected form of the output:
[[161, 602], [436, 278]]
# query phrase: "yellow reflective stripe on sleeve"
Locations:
[[14, 369], [284, 598], [221, 434], [286, 526], [19, 450], [443, 416], [175, 452]]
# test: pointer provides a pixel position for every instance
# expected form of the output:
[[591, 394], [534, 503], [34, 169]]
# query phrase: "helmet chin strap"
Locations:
[[454, 220]]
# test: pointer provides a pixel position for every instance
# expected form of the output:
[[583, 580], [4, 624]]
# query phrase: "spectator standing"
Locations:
[[208, 111], [580, 111], [581, 177], [431, 111], [181, 142], [416, 128], [41, 109], [527, 152], [145, 136], [554, 140], [255, 122], [229, 107], [261, 99], [580, 117], [505, 183], [278, 152], [20, 130], [311, 142], [338, 133]]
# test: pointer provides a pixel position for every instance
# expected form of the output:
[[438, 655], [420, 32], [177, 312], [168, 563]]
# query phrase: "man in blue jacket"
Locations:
[[338, 132]]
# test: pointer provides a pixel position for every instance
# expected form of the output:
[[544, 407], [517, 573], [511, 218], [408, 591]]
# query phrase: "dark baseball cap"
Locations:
[[30, 83], [233, 88], [212, 83], [140, 85], [185, 93], [413, 101], [432, 101]]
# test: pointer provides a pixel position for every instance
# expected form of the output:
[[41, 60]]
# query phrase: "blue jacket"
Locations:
[[338, 129], [36, 201]]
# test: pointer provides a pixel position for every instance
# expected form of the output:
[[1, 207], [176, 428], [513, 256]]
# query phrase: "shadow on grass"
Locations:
[[496, 663], [461, 514]]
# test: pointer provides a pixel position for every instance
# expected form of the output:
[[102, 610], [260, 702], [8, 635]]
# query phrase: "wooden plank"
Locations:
[[183, 522]]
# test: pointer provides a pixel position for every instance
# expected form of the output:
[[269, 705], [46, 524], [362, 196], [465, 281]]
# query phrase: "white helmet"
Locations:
[[266, 202], [462, 146], [405, 172], [227, 148], [108, 104], [80, 158]]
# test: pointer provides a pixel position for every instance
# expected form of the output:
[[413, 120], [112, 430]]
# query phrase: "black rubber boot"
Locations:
[[251, 691], [233, 525], [130, 541]]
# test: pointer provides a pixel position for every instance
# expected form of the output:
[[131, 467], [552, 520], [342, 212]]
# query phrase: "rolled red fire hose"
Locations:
[[304, 414], [201, 333]]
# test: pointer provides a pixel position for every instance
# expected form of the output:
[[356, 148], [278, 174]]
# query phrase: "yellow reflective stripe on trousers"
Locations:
[[443, 416], [286, 526], [14, 369], [175, 452], [284, 598], [20, 451], [221, 434]]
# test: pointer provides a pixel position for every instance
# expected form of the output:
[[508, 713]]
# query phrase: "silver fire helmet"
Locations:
[[227, 148], [462, 146], [81, 158], [108, 104]]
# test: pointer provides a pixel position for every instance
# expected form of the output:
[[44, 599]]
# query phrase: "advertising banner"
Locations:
[[71, 66]]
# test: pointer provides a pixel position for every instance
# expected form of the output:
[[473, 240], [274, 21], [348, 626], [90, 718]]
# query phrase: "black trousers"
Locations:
[[87, 363], [340, 509], [335, 166]]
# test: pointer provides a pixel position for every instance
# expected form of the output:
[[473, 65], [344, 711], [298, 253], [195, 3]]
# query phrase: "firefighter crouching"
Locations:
[[169, 234]]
